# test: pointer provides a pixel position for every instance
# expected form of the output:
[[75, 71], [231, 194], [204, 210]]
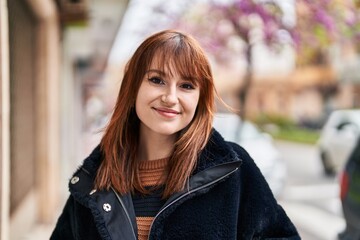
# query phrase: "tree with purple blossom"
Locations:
[[232, 28], [322, 23]]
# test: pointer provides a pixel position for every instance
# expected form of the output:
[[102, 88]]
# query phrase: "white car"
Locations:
[[338, 138], [259, 145]]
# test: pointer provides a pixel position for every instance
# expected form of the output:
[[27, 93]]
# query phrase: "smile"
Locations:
[[166, 112]]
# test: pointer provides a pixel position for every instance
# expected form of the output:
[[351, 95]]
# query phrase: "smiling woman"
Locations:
[[161, 171], [165, 104]]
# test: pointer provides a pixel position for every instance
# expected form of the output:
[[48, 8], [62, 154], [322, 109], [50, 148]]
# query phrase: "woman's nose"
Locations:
[[170, 96]]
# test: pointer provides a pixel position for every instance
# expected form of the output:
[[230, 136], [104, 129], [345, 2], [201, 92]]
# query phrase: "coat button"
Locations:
[[107, 207], [74, 180]]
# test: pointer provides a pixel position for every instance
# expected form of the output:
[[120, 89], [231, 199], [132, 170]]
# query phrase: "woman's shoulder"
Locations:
[[83, 177], [250, 171], [216, 152], [240, 151], [91, 163]]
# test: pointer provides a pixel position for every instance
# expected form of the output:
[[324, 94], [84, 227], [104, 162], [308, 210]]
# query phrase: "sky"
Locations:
[[131, 32]]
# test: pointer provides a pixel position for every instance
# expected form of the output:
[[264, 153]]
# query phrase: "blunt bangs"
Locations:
[[182, 55]]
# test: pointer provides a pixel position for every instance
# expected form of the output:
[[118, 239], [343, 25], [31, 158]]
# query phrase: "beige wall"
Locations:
[[31, 89], [22, 35], [47, 110], [34, 48], [4, 119]]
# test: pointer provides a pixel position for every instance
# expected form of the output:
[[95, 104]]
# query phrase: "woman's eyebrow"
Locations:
[[188, 78], [156, 71]]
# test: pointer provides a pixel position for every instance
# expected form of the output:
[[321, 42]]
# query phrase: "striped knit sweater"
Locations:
[[147, 206]]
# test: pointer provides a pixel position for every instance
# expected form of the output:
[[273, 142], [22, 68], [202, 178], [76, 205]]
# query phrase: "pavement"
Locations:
[[40, 232], [43, 231]]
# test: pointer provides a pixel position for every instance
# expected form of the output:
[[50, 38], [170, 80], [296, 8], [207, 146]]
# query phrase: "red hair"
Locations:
[[119, 144]]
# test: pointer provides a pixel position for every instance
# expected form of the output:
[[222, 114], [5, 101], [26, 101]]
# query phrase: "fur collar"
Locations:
[[217, 151]]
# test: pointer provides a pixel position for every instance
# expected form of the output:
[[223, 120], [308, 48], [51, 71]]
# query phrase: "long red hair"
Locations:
[[119, 168]]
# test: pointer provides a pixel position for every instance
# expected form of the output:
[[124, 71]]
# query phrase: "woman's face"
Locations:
[[166, 103]]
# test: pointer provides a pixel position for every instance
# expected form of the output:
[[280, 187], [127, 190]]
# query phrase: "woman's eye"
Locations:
[[156, 80], [187, 86]]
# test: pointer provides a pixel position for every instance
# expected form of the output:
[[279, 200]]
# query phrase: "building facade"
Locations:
[[41, 100]]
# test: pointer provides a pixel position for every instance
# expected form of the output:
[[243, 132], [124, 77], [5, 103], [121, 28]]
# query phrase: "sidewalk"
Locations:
[[43, 231], [40, 232]]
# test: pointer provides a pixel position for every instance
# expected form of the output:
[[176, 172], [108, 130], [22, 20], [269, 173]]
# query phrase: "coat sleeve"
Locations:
[[260, 216], [66, 223]]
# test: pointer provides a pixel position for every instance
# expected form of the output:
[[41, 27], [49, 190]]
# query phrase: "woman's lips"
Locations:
[[166, 112]]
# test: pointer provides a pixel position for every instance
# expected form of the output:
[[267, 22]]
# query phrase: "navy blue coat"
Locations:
[[227, 198]]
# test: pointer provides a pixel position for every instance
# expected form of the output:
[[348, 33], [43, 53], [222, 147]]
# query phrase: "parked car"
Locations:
[[258, 144], [338, 138], [350, 195]]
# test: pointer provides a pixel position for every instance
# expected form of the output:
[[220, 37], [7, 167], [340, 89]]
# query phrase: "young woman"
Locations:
[[161, 171]]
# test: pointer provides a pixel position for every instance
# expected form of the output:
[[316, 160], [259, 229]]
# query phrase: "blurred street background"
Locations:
[[286, 64]]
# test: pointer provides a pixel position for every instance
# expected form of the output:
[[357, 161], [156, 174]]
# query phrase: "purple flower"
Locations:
[[324, 19]]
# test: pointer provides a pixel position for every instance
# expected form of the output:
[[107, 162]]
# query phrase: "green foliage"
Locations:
[[321, 35], [283, 128], [77, 24], [301, 135], [278, 120]]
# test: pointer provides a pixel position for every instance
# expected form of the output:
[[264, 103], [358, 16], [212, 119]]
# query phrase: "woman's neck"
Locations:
[[154, 146]]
